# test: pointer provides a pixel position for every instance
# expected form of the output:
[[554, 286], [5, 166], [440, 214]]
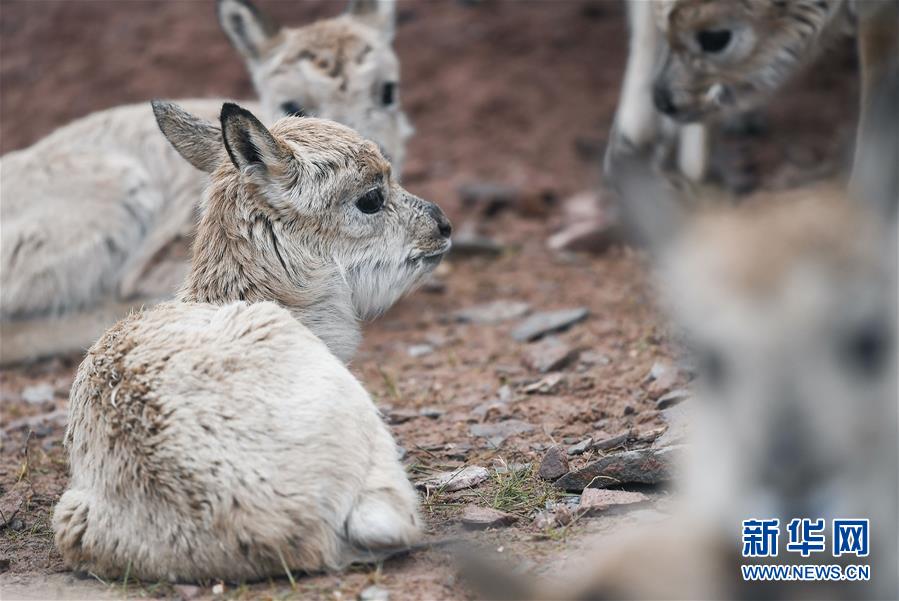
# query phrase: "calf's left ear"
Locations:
[[249, 143]]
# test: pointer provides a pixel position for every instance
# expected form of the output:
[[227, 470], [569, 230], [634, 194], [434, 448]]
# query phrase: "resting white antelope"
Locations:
[[86, 209], [221, 436]]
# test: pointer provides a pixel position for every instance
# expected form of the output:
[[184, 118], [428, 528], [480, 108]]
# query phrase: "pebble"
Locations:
[[540, 324], [595, 500], [488, 198], [548, 385], [554, 464], [550, 354], [594, 236], [496, 433], [38, 394], [218, 589], [401, 416], [479, 518], [614, 442], [374, 593], [581, 447], [663, 383], [468, 244], [494, 312], [673, 398], [641, 466], [431, 412], [467, 477], [419, 350], [560, 515]]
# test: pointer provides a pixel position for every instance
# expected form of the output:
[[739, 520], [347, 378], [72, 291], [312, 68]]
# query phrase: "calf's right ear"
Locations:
[[199, 142]]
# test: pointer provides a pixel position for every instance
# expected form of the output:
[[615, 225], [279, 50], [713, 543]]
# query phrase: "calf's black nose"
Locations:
[[443, 224], [661, 97]]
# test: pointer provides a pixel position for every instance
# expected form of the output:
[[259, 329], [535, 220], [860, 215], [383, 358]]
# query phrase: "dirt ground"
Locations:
[[514, 93]]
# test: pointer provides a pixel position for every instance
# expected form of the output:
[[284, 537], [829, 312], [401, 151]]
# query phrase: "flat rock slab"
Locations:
[[466, 477], [496, 433], [550, 354], [595, 500], [547, 322], [480, 518], [493, 313], [642, 466]]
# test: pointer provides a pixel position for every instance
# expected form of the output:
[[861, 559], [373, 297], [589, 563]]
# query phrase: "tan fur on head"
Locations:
[[220, 437], [281, 222], [343, 69]]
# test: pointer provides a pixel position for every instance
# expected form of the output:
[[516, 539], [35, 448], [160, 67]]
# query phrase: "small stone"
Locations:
[[629, 410], [487, 198], [550, 354], [431, 412], [16, 524], [186, 592], [658, 369], [614, 442], [374, 593], [581, 447], [489, 410], [12, 501], [595, 500], [548, 385], [479, 518], [594, 236], [560, 515], [496, 433], [591, 358], [401, 416], [540, 324], [419, 350], [494, 312], [504, 393], [673, 398], [554, 464], [641, 466], [466, 477], [468, 243], [663, 383], [38, 394], [218, 589], [458, 450]]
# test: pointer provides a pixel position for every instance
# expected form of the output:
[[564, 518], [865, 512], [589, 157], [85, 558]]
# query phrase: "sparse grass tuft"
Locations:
[[519, 492]]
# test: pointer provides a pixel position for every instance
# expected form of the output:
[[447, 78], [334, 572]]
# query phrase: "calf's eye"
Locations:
[[292, 109], [713, 41], [388, 93], [371, 202]]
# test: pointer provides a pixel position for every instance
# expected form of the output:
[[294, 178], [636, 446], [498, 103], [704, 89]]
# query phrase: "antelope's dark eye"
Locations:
[[371, 202], [713, 40], [867, 348], [388, 93], [292, 109]]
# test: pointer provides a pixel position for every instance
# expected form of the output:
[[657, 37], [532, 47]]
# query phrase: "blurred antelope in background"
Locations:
[[691, 60], [86, 209]]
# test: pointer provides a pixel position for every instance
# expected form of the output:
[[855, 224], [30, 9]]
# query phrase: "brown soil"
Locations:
[[521, 93]]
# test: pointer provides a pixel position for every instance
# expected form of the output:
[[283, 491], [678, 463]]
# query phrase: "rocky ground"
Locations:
[[525, 369]]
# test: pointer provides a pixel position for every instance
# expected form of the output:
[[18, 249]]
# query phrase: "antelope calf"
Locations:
[[86, 209], [221, 436]]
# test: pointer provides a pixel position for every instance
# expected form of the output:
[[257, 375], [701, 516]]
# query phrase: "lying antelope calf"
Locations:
[[86, 209], [221, 436]]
